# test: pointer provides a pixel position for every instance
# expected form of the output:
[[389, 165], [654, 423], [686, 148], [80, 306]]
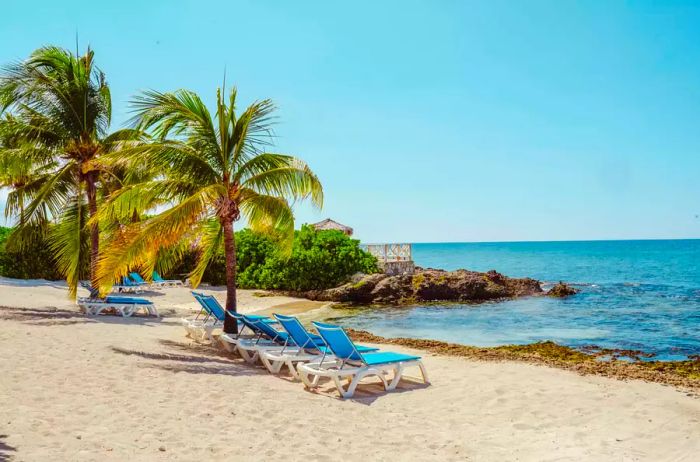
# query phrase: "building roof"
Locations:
[[330, 224]]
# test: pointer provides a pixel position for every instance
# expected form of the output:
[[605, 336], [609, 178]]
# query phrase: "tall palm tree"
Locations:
[[213, 170], [61, 106]]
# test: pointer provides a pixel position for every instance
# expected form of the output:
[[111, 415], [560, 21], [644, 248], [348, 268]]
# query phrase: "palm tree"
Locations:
[[60, 105], [212, 171]]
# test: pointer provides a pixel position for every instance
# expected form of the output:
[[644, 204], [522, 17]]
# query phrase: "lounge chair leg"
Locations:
[[292, 370], [229, 346], [398, 372], [272, 367], [423, 372], [355, 381], [248, 358], [304, 377]]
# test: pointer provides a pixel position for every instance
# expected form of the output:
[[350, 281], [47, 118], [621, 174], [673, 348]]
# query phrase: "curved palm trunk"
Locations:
[[91, 187], [230, 324]]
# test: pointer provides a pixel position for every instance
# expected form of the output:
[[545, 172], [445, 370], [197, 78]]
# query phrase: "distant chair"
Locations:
[[127, 285], [159, 281], [94, 305], [136, 277]]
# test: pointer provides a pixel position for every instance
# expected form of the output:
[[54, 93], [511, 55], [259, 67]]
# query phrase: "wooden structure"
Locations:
[[330, 224], [393, 258]]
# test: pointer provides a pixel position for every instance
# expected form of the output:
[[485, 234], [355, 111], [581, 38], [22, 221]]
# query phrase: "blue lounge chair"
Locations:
[[211, 316], [306, 347], [353, 365], [159, 281], [136, 278], [127, 285], [125, 306], [94, 305], [265, 337]]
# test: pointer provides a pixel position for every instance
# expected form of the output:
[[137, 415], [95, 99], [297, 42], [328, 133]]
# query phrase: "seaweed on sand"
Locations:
[[684, 374]]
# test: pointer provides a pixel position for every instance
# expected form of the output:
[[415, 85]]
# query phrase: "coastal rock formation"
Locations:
[[428, 285], [561, 290]]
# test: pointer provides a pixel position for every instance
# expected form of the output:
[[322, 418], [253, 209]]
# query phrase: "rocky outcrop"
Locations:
[[561, 290], [428, 285]]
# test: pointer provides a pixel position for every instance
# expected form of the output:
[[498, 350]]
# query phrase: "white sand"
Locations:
[[74, 388]]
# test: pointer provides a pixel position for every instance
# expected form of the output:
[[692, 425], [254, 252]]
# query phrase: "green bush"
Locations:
[[34, 262], [319, 260]]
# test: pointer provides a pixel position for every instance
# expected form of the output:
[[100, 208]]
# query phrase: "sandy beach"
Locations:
[[107, 388]]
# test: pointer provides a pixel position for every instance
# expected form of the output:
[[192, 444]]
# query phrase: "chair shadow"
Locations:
[[5, 450], [62, 317], [368, 392], [201, 362], [43, 317], [136, 319], [33, 283]]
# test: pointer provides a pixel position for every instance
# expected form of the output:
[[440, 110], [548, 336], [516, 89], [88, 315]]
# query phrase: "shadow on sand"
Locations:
[[5, 450], [367, 392], [206, 360], [62, 317]]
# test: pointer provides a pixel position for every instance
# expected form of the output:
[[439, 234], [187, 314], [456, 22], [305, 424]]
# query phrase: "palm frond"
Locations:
[[69, 243], [211, 239], [292, 178], [139, 243], [270, 215]]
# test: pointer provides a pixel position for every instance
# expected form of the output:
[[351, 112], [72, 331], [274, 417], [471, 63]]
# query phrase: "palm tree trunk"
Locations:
[[91, 186], [230, 324]]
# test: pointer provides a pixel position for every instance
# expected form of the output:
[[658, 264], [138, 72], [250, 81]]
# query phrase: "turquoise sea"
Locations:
[[641, 295]]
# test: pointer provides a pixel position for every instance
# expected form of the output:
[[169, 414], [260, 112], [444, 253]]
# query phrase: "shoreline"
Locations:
[[684, 375], [51, 295]]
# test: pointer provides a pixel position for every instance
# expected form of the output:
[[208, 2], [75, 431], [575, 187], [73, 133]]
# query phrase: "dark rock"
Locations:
[[428, 285], [561, 290]]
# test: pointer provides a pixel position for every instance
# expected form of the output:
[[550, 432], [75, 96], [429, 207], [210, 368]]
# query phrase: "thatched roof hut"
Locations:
[[330, 224]]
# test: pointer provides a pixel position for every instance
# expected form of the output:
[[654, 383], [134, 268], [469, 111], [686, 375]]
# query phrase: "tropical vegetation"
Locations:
[[210, 170], [162, 193], [53, 137], [319, 260]]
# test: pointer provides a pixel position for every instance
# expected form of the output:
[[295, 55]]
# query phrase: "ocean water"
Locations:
[[641, 295]]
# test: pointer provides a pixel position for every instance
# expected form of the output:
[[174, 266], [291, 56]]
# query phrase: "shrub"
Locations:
[[33, 262], [319, 260]]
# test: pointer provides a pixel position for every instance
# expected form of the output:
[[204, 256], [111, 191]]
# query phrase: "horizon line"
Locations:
[[541, 240]]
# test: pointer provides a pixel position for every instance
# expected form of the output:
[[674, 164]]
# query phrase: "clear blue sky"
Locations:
[[435, 120]]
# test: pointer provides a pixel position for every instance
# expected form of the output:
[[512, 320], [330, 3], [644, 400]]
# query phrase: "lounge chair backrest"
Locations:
[[247, 322], [137, 277], [296, 330], [338, 341], [259, 325], [198, 296], [94, 293], [157, 277], [213, 304]]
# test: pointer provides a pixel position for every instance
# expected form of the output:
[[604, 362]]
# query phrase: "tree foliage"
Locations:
[[318, 260], [53, 137], [210, 170]]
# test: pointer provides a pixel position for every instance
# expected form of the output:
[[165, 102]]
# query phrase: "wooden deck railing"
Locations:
[[390, 252]]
